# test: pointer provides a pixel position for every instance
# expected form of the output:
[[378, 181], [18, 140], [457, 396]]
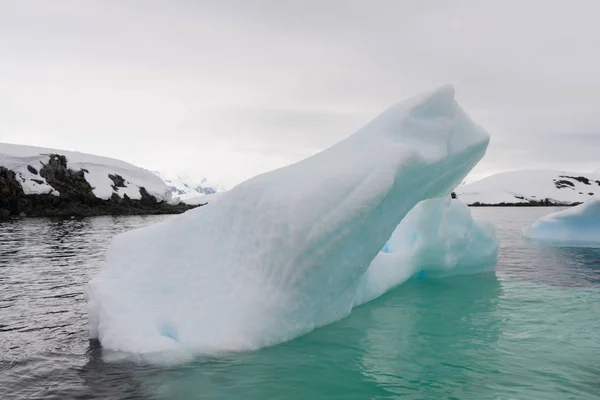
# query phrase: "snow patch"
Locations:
[[205, 199], [182, 185]]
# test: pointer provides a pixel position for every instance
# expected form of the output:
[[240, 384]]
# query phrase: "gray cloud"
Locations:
[[232, 88]]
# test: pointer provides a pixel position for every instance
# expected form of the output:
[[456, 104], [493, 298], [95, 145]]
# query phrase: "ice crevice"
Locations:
[[299, 247]]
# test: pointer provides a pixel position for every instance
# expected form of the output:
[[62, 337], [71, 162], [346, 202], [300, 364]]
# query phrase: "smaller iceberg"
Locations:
[[437, 238], [575, 226]]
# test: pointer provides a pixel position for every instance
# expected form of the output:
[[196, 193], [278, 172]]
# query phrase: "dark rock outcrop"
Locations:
[[581, 179], [69, 183], [562, 183], [529, 203], [12, 196], [147, 198], [118, 181], [76, 195]]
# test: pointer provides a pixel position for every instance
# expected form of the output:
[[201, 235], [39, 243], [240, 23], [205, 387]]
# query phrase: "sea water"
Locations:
[[527, 331]]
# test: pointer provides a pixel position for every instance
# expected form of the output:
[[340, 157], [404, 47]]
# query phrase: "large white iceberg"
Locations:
[[286, 251], [576, 226], [437, 238]]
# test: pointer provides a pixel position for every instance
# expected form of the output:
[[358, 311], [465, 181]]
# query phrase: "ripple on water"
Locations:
[[529, 331]]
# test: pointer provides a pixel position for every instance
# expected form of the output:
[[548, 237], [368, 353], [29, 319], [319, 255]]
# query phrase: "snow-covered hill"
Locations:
[[185, 187], [106, 176], [558, 187]]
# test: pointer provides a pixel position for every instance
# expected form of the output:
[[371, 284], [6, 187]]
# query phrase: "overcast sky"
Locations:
[[229, 89]]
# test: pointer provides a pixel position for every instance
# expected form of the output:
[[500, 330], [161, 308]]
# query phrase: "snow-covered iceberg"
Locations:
[[575, 226], [286, 251], [437, 238]]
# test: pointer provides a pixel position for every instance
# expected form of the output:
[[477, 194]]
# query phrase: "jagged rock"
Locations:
[[118, 181], [147, 198], [115, 198], [69, 183], [32, 170], [581, 179], [563, 184], [11, 192]]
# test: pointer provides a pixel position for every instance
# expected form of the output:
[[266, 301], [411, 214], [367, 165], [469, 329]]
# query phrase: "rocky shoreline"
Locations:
[[528, 204], [76, 196]]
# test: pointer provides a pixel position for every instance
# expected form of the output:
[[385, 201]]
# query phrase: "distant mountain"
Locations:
[[183, 186], [106, 176], [36, 181], [531, 186]]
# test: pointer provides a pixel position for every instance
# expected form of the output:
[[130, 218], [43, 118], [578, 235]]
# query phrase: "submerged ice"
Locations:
[[579, 225], [295, 248]]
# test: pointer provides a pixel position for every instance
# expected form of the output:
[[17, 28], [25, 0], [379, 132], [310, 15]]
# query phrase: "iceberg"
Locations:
[[285, 251], [575, 226], [437, 238]]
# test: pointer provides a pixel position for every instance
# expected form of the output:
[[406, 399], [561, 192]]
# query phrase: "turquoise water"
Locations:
[[465, 338], [531, 330]]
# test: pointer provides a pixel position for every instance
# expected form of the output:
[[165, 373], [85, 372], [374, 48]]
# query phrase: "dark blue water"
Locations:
[[528, 331]]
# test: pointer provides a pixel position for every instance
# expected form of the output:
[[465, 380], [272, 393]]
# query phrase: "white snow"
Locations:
[[204, 199], [185, 186], [286, 251], [579, 225], [18, 157], [438, 237], [525, 185]]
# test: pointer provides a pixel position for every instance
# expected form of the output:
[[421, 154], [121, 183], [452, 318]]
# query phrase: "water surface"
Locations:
[[527, 331]]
